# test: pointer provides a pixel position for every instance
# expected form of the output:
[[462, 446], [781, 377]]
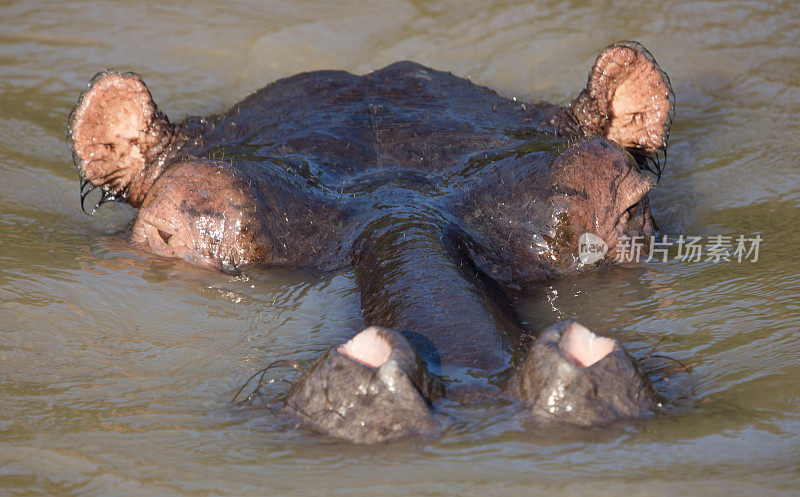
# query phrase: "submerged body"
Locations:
[[446, 197]]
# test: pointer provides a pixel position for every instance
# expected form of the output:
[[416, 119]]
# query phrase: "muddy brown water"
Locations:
[[116, 368]]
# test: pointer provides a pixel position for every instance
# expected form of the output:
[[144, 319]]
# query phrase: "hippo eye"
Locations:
[[164, 236]]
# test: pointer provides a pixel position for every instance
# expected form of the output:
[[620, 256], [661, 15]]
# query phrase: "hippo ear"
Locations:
[[628, 99], [116, 131]]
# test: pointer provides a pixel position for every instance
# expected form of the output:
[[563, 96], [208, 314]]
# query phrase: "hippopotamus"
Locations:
[[447, 199]]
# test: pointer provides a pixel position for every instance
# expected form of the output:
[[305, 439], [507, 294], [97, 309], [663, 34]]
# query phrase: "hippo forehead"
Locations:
[[404, 116]]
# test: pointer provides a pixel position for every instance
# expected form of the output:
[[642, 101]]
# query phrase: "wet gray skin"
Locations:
[[448, 200], [571, 375], [373, 388]]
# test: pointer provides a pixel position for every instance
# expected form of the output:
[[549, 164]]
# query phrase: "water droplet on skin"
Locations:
[[539, 244]]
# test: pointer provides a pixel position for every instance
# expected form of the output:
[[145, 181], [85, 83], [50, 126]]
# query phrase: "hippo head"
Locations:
[[440, 193], [597, 194], [198, 210], [342, 129], [570, 375], [575, 197], [600, 184]]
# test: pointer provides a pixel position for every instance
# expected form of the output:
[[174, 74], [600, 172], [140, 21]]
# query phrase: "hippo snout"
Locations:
[[373, 388], [574, 376]]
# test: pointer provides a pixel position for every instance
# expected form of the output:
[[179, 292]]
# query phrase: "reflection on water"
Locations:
[[116, 367]]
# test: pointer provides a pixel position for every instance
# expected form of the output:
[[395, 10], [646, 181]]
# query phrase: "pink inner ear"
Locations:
[[583, 347], [368, 348]]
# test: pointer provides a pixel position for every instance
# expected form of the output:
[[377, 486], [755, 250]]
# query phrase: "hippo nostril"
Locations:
[[368, 348], [583, 347]]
